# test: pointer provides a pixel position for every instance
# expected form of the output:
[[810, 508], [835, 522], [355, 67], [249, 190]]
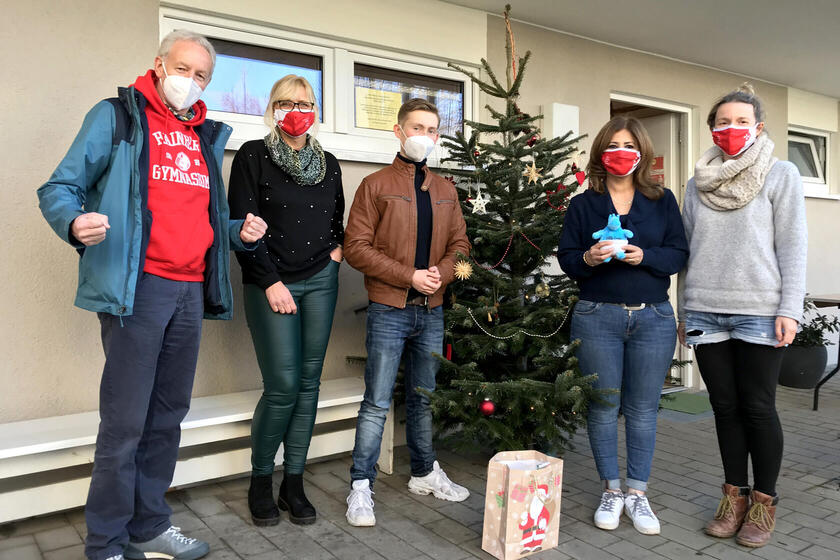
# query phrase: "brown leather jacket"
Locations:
[[381, 234]]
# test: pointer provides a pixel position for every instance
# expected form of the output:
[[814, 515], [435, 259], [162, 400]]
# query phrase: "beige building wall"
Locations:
[[821, 113], [584, 73], [58, 59], [431, 27]]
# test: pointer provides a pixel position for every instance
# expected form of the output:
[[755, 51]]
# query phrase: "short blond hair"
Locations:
[[416, 104], [286, 88]]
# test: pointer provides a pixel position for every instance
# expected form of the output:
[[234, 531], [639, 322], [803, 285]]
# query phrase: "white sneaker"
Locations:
[[609, 510], [437, 483], [360, 505], [637, 508]]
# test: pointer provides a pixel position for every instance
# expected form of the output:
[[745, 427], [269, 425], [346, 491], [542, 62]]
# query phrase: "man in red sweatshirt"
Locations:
[[140, 195]]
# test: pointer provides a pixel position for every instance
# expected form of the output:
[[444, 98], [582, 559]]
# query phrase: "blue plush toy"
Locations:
[[614, 232]]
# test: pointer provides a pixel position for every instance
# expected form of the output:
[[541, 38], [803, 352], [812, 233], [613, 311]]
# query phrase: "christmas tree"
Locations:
[[509, 379]]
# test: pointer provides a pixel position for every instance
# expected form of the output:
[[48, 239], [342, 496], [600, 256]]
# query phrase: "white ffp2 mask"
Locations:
[[180, 91], [417, 148]]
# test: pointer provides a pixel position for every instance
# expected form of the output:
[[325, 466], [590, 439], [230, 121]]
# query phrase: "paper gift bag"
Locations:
[[522, 504]]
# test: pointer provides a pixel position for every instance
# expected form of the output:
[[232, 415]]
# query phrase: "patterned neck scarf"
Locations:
[[306, 167], [732, 184], [188, 116]]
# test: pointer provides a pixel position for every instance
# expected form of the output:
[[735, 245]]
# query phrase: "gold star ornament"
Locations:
[[532, 172], [463, 270]]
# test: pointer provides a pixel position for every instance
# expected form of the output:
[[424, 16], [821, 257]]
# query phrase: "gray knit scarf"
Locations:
[[306, 167], [731, 184]]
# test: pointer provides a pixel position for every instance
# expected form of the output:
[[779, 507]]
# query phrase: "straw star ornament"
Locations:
[[532, 172], [479, 202]]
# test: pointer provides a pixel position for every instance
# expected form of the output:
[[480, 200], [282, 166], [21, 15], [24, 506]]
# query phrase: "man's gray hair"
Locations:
[[186, 35]]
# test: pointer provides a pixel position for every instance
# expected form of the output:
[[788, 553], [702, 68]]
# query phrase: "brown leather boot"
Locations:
[[760, 521], [730, 513]]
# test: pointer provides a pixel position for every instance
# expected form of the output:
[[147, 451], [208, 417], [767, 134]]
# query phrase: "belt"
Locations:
[[630, 306], [418, 300]]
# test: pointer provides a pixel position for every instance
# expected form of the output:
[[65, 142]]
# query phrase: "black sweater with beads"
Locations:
[[305, 222]]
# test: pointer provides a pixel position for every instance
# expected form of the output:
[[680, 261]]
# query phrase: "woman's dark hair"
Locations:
[[744, 94], [641, 177]]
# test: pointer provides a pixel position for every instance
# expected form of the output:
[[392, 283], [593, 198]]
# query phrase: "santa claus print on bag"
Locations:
[[535, 520]]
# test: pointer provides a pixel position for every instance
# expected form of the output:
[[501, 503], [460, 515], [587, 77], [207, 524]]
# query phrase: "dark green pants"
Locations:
[[290, 351]]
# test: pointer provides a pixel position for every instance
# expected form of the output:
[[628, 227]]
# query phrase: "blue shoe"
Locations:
[[169, 545]]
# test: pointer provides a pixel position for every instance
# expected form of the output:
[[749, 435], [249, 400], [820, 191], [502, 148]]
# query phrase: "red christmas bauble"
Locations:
[[533, 140], [487, 407]]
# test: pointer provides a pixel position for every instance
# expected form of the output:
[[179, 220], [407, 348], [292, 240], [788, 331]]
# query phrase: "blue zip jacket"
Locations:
[[658, 231], [106, 171]]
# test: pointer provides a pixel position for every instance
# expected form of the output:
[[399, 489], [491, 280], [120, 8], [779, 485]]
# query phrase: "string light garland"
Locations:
[[518, 331]]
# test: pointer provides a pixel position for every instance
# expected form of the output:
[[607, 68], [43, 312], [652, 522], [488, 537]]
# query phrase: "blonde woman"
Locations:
[[291, 284], [741, 301]]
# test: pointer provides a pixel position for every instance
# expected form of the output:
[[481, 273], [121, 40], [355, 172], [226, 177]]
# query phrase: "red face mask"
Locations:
[[621, 161], [734, 139], [294, 123]]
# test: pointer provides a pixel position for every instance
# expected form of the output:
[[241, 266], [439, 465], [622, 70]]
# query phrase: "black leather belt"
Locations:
[[418, 300]]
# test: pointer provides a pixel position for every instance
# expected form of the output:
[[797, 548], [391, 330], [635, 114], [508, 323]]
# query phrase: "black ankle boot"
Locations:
[[293, 500], [261, 502]]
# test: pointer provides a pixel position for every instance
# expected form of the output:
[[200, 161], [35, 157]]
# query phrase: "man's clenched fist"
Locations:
[[253, 229], [90, 228]]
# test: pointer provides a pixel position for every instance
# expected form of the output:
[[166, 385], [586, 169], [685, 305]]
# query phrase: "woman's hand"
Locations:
[[785, 331], [633, 255], [280, 299], [337, 254], [681, 333], [598, 252]]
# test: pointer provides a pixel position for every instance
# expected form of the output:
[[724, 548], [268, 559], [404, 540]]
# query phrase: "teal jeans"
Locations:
[[290, 351]]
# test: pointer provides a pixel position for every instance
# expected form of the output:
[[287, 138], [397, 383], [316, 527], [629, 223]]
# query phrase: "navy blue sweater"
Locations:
[[658, 231]]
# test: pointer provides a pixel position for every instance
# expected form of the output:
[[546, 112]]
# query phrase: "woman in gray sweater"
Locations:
[[741, 301]]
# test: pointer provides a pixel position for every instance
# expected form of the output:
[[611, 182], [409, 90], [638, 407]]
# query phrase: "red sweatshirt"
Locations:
[[179, 190]]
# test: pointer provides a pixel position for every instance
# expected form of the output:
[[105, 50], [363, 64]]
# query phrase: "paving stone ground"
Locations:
[[684, 490]]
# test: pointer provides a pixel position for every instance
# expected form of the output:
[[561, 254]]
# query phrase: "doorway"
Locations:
[[669, 127]]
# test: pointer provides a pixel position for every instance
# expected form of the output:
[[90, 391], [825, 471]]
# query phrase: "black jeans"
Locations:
[[741, 378]]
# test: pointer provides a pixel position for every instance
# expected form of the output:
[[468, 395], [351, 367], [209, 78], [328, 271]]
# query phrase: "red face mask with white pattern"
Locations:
[[621, 161], [734, 139], [294, 123]]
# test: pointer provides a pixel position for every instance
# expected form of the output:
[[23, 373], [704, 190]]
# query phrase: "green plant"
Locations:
[[813, 333]]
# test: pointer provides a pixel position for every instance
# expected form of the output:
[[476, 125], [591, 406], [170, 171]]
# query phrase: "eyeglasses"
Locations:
[[288, 105]]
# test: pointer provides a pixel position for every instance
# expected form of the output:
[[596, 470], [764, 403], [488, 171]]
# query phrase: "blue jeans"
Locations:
[[390, 330], [631, 353], [144, 394]]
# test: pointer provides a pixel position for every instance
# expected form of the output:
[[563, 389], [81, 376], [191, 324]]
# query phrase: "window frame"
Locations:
[[337, 133], [813, 186]]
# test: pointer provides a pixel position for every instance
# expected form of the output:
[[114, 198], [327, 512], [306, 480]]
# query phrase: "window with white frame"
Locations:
[[358, 88], [379, 92], [808, 149], [244, 75]]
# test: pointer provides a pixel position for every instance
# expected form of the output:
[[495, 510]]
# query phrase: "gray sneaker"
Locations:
[[169, 545], [115, 557]]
